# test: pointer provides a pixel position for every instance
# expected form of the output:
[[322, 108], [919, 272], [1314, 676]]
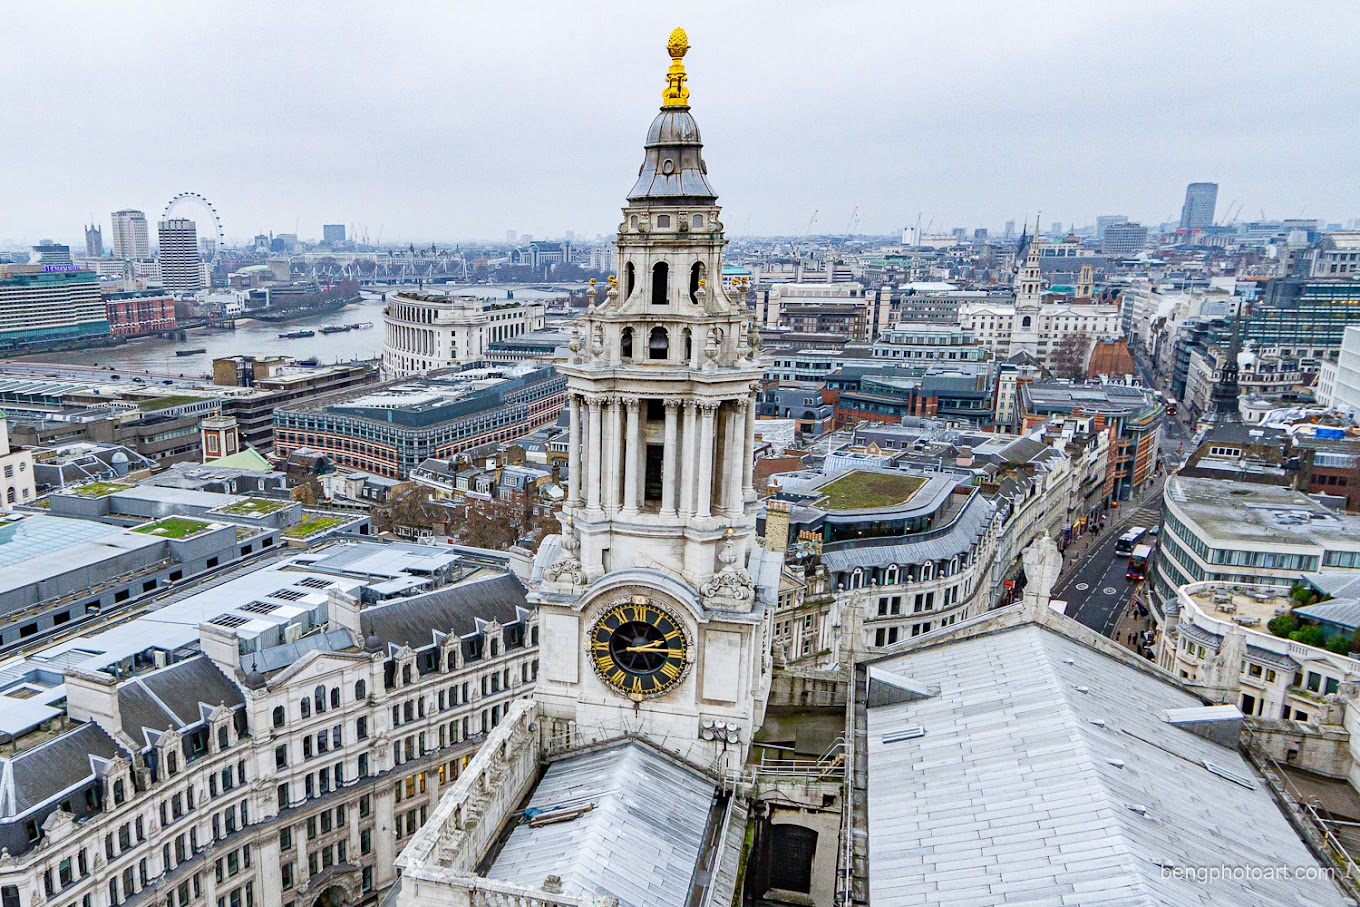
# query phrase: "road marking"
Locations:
[[1082, 587], [1109, 590]]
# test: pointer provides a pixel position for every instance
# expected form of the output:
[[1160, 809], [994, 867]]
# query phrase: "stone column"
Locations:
[[613, 432], [593, 454], [669, 480], [748, 488], [632, 458], [688, 454], [704, 478], [574, 450], [736, 456]]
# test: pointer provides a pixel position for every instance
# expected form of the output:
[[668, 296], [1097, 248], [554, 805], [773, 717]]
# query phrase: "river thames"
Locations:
[[156, 355]]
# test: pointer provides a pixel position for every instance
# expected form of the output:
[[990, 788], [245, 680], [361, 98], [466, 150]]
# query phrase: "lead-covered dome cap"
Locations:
[[673, 169]]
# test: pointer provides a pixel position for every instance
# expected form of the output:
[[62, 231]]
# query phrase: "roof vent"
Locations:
[[910, 732], [1069, 661], [887, 688], [1138, 808], [1220, 723], [1117, 763], [1098, 722], [1229, 775], [1083, 689]]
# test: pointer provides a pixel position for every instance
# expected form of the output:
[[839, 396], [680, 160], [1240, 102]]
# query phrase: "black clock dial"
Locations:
[[638, 648]]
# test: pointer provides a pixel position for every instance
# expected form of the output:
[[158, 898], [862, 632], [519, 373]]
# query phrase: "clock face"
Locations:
[[638, 649]]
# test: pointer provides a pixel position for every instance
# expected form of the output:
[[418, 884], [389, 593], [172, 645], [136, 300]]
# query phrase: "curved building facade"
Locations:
[[422, 333]]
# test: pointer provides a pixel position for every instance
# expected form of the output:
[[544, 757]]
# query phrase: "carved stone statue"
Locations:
[[1043, 564]]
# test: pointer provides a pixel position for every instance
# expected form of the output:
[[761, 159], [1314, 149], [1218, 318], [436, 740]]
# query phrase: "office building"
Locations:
[[423, 332], [1228, 531], [130, 239], [333, 233], [1124, 238], [1345, 383], [40, 307], [276, 739], [52, 255], [1104, 221], [392, 429], [181, 264], [1303, 317], [1132, 415], [277, 383], [1198, 211], [133, 314], [94, 241]]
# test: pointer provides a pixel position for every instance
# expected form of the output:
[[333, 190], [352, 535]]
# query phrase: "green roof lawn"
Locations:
[[97, 489], [173, 527], [313, 525], [167, 401], [869, 491], [253, 507]]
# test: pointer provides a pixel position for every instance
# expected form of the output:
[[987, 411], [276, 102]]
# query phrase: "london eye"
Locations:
[[200, 202]]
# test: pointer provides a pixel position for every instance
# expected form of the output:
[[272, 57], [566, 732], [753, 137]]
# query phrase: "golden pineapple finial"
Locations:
[[676, 94]]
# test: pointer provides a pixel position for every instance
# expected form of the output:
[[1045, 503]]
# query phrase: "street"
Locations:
[[1094, 585]]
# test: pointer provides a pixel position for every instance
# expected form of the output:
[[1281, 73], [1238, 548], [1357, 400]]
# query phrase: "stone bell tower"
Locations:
[[662, 376], [1029, 296]]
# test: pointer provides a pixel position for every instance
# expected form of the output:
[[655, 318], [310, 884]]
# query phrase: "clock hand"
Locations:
[[650, 647]]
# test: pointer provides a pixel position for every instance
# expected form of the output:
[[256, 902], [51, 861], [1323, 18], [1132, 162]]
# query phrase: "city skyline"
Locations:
[[437, 133]]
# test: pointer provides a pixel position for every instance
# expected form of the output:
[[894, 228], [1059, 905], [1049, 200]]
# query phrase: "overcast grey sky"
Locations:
[[457, 120]]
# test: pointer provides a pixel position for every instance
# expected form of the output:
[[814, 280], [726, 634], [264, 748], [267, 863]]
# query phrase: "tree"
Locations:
[[1283, 625], [489, 526], [1069, 355], [408, 507]]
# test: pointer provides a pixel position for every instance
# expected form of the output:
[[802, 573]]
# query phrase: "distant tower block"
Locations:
[[220, 437]]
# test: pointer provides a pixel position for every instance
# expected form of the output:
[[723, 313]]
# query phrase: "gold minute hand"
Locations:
[[650, 647]]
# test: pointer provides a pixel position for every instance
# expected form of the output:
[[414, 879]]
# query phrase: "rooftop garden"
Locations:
[[253, 507], [97, 489], [1289, 626], [313, 525], [868, 491], [173, 527], [166, 402]]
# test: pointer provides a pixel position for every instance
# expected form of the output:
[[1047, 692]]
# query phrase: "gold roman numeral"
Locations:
[[671, 669]]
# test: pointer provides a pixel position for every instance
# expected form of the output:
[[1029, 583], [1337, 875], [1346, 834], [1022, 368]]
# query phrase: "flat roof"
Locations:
[[1263, 515]]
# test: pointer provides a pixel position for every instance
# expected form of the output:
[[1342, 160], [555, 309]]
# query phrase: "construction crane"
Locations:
[[797, 253], [849, 229]]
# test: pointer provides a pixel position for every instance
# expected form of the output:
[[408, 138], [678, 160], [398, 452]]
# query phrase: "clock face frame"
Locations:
[[638, 648]]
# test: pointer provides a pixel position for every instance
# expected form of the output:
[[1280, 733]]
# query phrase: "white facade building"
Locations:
[[130, 237], [265, 742], [1031, 325], [1343, 377], [422, 333], [17, 485]]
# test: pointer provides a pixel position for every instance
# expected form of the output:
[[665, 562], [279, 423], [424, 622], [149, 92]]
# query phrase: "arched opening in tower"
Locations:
[[661, 283], [658, 344]]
